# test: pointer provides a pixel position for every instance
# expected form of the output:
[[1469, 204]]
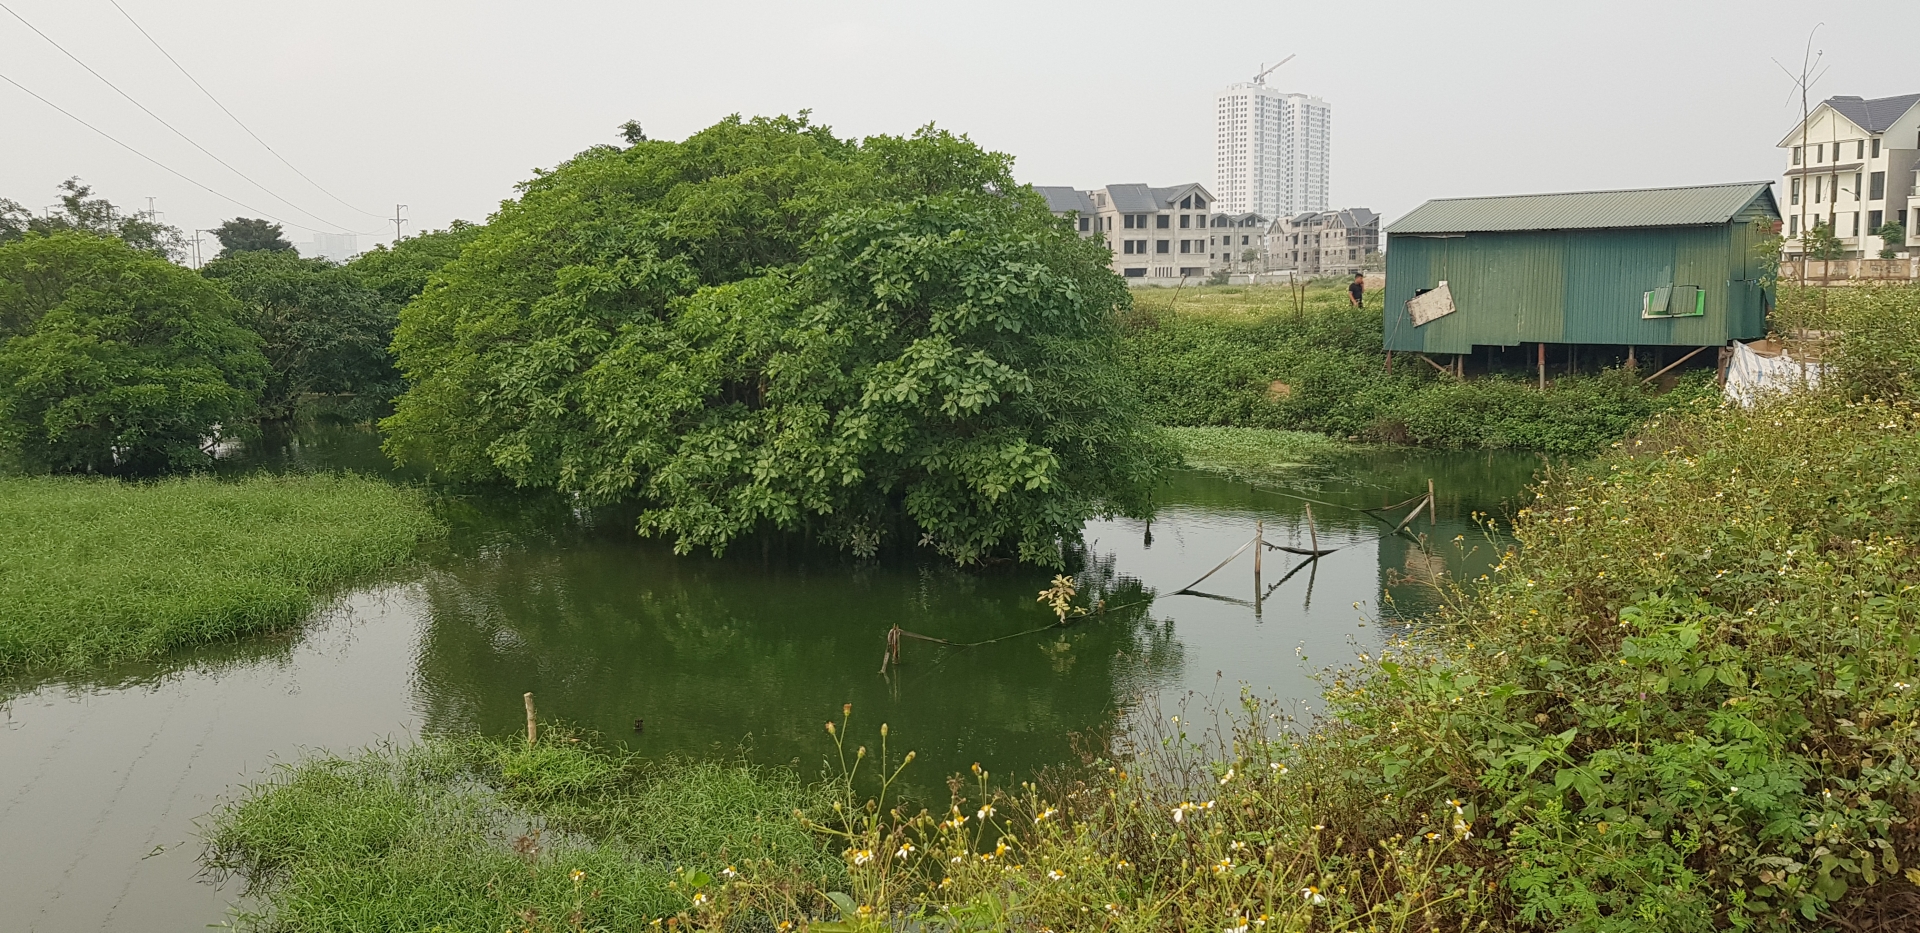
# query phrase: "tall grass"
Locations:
[[484, 835], [100, 571], [1247, 357]]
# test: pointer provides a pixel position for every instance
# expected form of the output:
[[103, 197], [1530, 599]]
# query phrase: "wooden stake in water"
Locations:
[[533, 733], [1431, 521], [1313, 534], [1259, 549]]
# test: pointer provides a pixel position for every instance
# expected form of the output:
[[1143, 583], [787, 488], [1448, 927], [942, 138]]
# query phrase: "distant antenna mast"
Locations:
[[1261, 78]]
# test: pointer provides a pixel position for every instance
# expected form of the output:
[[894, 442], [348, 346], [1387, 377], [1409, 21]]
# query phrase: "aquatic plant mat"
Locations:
[[486, 835], [99, 571], [1257, 453]]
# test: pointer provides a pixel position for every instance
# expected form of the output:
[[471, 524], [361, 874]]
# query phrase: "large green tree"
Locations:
[[250, 235], [765, 327], [401, 272], [80, 210], [324, 332], [113, 360]]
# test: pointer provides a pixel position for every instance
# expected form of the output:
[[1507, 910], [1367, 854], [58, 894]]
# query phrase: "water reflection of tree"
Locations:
[[713, 653]]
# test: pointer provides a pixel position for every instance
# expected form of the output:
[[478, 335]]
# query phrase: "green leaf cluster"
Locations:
[[324, 332], [115, 360], [1241, 357], [763, 327]]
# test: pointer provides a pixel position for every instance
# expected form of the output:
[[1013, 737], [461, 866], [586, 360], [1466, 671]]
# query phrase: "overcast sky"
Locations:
[[443, 106]]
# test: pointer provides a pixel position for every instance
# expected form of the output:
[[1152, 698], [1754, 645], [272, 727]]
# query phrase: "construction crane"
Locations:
[[1261, 78]]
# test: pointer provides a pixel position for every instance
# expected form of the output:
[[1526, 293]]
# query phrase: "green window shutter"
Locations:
[[1656, 302]]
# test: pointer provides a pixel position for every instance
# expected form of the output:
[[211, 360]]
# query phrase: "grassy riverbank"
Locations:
[[1245, 356], [99, 571], [483, 835], [1686, 702]]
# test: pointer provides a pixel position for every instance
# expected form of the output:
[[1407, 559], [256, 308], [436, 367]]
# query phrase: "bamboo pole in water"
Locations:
[[1259, 550], [1431, 520], [1313, 534], [532, 730]]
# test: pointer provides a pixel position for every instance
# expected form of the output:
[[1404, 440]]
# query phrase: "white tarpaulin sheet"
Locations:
[[1751, 376]]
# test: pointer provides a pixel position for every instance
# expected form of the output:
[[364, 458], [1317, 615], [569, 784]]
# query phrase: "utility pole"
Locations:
[[398, 219], [197, 239]]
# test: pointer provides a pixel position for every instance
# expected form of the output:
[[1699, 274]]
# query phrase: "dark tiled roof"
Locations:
[[1874, 115], [1132, 199], [1062, 199]]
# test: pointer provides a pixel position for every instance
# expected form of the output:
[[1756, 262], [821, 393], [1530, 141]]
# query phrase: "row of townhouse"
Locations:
[[1164, 235], [1324, 242], [1158, 233], [1853, 166]]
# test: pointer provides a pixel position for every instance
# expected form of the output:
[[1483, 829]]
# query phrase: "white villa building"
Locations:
[[1161, 235], [1852, 167]]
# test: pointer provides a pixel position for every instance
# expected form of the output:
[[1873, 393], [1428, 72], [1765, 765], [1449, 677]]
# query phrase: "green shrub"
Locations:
[[96, 571], [1246, 357], [1872, 332], [481, 835], [114, 360]]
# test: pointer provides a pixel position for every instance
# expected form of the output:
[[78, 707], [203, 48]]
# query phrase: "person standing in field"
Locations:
[[1358, 289]]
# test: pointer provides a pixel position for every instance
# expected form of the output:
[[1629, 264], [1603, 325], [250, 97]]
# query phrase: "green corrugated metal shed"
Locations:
[[1576, 268]]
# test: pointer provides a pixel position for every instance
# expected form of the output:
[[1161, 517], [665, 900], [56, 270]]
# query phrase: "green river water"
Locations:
[[103, 777]]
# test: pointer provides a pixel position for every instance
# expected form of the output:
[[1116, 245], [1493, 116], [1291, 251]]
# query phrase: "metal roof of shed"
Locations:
[[1585, 210]]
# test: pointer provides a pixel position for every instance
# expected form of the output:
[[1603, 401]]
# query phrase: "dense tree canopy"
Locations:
[[764, 327], [323, 331], [250, 235], [80, 210], [115, 360], [400, 272]]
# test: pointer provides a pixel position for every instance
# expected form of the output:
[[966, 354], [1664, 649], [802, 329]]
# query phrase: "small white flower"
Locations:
[[906, 849], [699, 900], [1226, 777], [729, 872], [1056, 874], [1312, 895], [985, 811]]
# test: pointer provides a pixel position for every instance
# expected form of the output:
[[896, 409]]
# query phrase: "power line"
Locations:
[[163, 165], [169, 126], [230, 115]]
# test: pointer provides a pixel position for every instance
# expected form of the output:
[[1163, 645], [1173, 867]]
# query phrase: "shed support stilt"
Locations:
[[1542, 348]]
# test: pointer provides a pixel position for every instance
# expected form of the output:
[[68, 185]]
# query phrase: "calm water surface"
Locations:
[[103, 778]]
